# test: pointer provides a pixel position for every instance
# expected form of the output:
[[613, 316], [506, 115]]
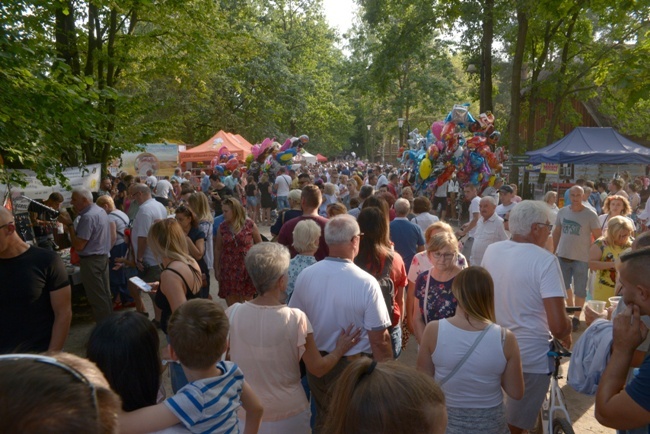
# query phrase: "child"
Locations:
[[198, 331]]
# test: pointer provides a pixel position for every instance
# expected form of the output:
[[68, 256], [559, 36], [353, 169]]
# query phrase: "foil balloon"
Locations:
[[255, 150], [460, 115], [224, 151], [286, 145], [286, 156], [214, 162], [232, 164], [476, 160], [425, 168], [436, 129], [249, 159], [452, 144], [219, 168], [491, 180], [486, 119], [430, 138], [484, 150], [448, 131], [475, 142], [459, 152], [440, 145], [473, 178], [433, 152], [494, 138]]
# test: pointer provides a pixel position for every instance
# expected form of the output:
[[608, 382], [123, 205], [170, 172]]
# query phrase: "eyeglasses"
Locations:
[[548, 225], [54, 362], [6, 224], [446, 256], [360, 234]]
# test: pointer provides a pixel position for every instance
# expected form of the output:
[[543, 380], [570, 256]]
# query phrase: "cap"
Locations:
[[506, 189]]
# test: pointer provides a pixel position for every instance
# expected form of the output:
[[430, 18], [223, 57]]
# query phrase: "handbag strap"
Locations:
[[466, 356]]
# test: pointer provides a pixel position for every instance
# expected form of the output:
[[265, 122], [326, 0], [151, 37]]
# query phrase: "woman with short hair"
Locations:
[[423, 217], [268, 339], [306, 236]]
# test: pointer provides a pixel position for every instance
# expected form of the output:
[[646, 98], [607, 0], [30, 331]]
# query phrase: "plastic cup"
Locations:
[[596, 305], [613, 301]]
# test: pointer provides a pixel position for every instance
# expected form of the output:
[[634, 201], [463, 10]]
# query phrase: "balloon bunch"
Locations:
[[460, 144], [269, 154], [225, 162]]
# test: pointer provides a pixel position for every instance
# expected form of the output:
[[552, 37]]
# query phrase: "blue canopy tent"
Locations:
[[586, 145]]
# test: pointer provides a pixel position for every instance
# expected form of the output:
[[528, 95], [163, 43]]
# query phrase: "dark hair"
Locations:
[[354, 202], [125, 347], [189, 213], [377, 201], [214, 176], [374, 245], [311, 196], [366, 191], [421, 204], [56, 197]]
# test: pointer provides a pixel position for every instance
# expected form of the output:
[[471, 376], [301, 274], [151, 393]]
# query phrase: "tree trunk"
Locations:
[[65, 36], [515, 87], [486, 56]]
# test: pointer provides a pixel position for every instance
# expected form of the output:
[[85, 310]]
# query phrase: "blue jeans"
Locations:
[[396, 340], [579, 271], [283, 202], [177, 375]]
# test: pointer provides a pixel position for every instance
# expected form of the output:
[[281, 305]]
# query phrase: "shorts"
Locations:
[[251, 201], [579, 271], [442, 201], [523, 413]]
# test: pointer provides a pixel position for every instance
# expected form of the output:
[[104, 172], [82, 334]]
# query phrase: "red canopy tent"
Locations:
[[321, 159], [206, 151]]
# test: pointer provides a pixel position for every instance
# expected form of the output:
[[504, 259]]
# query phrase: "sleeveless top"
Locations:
[[478, 382], [163, 303]]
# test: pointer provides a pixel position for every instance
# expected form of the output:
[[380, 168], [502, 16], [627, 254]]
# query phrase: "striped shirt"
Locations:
[[211, 404]]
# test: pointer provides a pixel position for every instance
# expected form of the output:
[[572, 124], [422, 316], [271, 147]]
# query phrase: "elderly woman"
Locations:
[[421, 208], [236, 236], [180, 279], [306, 236], [287, 214], [604, 253], [613, 206], [435, 299], [421, 263], [268, 339]]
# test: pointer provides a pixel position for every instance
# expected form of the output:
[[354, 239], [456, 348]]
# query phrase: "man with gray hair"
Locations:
[[529, 300], [575, 225], [335, 293], [405, 235], [91, 238], [365, 192], [489, 229]]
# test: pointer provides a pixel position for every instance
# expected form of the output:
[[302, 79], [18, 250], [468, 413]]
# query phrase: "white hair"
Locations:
[[341, 229], [306, 236], [526, 213], [83, 192], [266, 263], [402, 207], [490, 199]]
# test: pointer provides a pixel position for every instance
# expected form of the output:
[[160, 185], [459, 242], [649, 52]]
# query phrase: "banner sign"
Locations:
[[550, 168], [89, 178], [161, 158]]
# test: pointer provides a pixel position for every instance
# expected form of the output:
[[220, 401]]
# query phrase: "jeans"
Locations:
[[283, 202], [177, 375]]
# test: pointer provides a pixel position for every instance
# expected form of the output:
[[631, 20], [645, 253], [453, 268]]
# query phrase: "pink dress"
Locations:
[[233, 278]]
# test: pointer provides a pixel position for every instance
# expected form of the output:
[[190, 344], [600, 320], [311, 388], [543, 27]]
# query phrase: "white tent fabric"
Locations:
[[309, 158]]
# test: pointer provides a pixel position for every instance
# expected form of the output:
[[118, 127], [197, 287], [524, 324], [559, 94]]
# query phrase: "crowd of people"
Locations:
[[359, 262]]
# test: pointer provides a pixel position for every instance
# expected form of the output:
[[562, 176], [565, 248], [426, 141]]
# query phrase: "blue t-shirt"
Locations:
[[639, 389], [406, 237]]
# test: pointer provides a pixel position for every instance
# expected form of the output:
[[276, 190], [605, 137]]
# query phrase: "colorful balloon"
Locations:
[[286, 156], [232, 164], [448, 131], [436, 129], [425, 168]]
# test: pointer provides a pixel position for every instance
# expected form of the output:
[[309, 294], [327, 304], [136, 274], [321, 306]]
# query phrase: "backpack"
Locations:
[[387, 286]]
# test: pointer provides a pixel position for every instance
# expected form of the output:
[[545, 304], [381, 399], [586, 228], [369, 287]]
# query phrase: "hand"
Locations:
[[139, 265], [567, 341], [154, 286], [629, 330], [591, 315], [348, 338], [64, 218]]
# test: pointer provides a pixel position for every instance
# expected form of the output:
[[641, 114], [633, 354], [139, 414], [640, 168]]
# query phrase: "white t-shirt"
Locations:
[[381, 180], [335, 293], [151, 181], [441, 191], [474, 208], [502, 210], [453, 187], [163, 188], [487, 232], [424, 220], [149, 212], [524, 275], [283, 185], [267, 343]]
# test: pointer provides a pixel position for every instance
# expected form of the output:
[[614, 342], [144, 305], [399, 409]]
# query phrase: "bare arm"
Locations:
[[512, 379], [558, 321], [427, 347], [557, 230], [78, 243], [147, 419], [471, 225], [318, 365], [173, 289], [614, 407], [380, 345], [595, 256], [596, 233], [112, 228], [410, 299], [253, 407], [62, 307], [257, 238], [417, 321], [196, 249], [399, 298], [142, 246], [218, 245]]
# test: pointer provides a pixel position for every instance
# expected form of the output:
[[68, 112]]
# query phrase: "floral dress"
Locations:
[[233, 277], [440, 301], [297, 264]]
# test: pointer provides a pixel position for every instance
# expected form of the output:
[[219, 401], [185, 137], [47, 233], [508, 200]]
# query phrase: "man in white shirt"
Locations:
[[149, 212], [489, 229], [529, 301], [162, 191], [335, 293], [440, 200], [282, 187], [151, 180], [469, 228], [506, 196], [381, 178]]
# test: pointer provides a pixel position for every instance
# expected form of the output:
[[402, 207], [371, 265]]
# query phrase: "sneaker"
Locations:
[[576, 323], [117, 305]]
